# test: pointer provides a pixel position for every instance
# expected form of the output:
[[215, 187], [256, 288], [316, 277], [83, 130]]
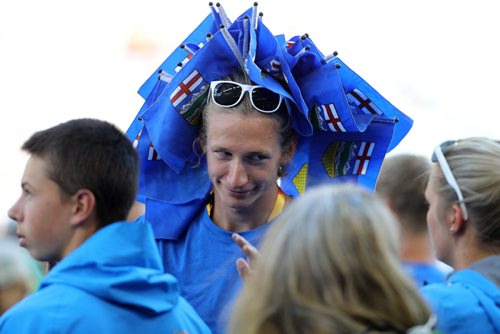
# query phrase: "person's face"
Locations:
[[243, 155], [41, 214], [436, 224]]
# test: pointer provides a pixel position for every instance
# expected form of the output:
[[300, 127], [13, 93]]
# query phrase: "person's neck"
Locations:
[[416, 248], [80, 234], [244, 219], [465, 256], [467, 251]]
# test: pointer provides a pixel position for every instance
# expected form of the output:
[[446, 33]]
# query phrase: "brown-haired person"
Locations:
[[77, 189], [401, 183]]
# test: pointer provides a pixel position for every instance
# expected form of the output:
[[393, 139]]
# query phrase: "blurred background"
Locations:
[[62, 59]]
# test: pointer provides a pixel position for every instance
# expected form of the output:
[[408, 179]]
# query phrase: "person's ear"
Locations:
[[84, 205], [456, 220], [288, 152]]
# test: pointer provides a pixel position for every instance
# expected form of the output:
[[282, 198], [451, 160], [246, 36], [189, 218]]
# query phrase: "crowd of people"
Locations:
[[242, 253]]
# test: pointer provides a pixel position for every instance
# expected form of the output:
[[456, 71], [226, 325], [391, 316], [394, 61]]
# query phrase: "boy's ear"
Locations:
[[84, 205]]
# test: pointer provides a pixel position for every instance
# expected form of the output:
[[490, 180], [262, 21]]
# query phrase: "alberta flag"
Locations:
[[333, 157]]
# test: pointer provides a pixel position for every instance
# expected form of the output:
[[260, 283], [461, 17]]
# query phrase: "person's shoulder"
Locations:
[[41, 310], [449, 299], [457, 308], [438, 291], [25, 306], [455, 287]]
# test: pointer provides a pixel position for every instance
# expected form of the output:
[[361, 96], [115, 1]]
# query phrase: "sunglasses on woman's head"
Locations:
[[438, 156], [229, 93]]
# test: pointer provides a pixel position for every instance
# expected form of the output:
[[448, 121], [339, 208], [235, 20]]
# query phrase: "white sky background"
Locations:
[[62, 59]]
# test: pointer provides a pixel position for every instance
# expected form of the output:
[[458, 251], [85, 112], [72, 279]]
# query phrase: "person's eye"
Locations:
[[257, 158], [26, 192], [224, 155]]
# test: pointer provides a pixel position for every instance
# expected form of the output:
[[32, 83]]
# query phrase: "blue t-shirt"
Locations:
[[204, 262]]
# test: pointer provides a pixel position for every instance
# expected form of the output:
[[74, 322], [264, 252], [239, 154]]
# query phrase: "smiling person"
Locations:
[[219, 127], [246, 150], [464, 223], [77, 188], [247, 138]]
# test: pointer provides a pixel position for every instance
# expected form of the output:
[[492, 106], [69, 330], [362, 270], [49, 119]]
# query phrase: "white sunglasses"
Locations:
[[439, 157], [229, 93]]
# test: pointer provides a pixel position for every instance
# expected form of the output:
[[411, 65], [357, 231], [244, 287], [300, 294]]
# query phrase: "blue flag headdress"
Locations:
[[344, 127]]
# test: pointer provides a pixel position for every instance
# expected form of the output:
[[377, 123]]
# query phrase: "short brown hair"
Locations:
[[91, 154], [402, 181]]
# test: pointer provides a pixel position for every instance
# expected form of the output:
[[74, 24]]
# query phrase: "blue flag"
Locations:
[[335, 157], [344, 127], [367, 101]]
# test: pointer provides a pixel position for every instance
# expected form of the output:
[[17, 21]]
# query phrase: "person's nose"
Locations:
[[15, 212], [237, 176]]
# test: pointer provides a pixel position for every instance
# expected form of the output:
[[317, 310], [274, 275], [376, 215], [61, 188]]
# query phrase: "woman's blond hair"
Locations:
[[330, 265], [475, 164]]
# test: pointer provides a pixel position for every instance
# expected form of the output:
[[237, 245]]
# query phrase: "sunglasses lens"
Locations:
[[265, 99], [443, 147], [226, 93]]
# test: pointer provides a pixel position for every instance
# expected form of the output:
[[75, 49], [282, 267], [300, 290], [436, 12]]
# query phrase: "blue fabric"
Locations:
[[330, 157], [330, 106], [159, 182], [169, 219], [113, 283], [269, 65], [203, 260], [424, 273], [353, 82], [467, 303]]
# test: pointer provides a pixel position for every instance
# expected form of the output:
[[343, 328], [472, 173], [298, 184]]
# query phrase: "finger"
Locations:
[[243, 268], [250, 252], [240, 241], [247, 248]]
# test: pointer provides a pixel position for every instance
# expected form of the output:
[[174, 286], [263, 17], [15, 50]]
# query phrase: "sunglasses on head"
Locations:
[[229, 93], [439, 157]]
